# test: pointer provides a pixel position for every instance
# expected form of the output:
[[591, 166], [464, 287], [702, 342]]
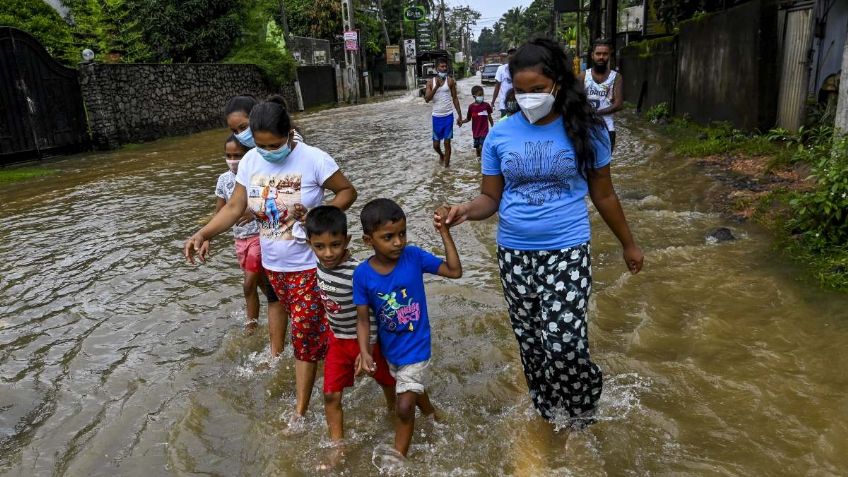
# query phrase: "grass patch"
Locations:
[[18, 174], [694, 140]]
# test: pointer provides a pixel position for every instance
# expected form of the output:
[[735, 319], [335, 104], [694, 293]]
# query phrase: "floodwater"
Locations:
[[116, 357]]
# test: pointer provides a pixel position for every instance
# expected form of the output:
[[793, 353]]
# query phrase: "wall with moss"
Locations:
[[649, 71], [727, 66], [128, 103], [718, 67]]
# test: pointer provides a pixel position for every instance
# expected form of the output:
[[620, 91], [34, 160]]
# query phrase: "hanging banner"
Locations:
[[409, 51], [392, 54], [351, 40]]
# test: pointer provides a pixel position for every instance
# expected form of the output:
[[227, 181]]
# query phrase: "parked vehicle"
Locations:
[[488, 74]]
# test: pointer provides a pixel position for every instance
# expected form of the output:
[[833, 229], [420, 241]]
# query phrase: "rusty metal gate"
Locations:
[[41, 108]]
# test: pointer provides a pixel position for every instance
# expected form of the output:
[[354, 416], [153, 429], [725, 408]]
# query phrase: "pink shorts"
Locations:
[[249, 254]]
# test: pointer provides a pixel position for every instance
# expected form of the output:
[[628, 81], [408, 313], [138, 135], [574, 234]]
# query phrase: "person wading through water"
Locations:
[[603, 86]]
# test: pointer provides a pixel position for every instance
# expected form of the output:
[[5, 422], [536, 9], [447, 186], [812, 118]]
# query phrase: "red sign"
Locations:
[[351, 39]]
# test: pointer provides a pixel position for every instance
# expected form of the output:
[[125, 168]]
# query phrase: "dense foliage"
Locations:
[[672, 12], [44, 23]]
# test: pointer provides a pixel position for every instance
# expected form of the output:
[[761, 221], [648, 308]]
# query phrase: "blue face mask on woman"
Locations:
[[275, 157], [246, 138]]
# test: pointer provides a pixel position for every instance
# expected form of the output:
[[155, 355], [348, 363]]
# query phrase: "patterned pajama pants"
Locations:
[[547, 293]]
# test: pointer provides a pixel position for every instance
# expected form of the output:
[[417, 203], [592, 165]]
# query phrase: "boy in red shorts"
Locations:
[[326, 231]]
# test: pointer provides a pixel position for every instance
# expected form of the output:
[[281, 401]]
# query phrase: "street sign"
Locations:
[[409, 51], [351, 39], [414, 13]]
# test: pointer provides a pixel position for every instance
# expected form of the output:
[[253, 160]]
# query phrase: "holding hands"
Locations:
[[450, 215], [365, 364]]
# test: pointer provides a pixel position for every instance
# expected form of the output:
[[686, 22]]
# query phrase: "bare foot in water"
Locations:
[[297, 425], [333, 458]]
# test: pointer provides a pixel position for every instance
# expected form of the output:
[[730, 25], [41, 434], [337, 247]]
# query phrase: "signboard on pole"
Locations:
[[409, 51], [414, 13], [351, 40], [392, 54]]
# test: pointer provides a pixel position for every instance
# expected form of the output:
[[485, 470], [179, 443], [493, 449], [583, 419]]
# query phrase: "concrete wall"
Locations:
[[129, 103], [317, 85], [721, 67], [649, 72], [727, 66]]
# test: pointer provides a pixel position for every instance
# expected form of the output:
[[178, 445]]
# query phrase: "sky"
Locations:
[[491, 10]]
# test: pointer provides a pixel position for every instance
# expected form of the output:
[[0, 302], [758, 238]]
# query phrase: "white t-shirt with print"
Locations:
[[224, 189], [273, 190], [503, 76]]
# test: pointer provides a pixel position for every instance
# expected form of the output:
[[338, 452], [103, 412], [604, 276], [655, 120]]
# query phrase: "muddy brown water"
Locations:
[[118, 358]]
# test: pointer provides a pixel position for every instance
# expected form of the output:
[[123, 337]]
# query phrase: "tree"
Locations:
[[261, 43], [539, 19], [486, 43], [43, 22], [315, 18], [186, 31], [672, 12], [514, 30]]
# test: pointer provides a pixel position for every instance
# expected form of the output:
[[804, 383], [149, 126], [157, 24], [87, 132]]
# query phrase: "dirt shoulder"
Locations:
[[749, 180]]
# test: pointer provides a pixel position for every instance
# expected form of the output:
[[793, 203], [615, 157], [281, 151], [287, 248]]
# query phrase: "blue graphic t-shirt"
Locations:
[[399, 304], [543, 206]]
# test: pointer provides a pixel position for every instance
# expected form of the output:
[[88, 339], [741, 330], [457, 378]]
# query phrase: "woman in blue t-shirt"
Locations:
[[538, 167]]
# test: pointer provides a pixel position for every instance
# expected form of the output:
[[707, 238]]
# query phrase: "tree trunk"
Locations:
[[841, 122]]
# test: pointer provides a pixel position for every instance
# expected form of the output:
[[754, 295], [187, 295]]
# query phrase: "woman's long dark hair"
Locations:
[[582, 125]]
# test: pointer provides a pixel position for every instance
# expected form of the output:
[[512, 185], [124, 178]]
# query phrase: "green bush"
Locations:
[[658, 112], [820, 216], [460, 70], [279, 68]]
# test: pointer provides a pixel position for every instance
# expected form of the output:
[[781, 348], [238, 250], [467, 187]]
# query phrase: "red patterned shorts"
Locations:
[[299, 293]]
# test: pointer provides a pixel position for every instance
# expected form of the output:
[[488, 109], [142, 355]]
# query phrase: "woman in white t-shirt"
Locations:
[[279, 180]]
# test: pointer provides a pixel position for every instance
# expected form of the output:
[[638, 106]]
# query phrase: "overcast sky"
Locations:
[[491, 10]]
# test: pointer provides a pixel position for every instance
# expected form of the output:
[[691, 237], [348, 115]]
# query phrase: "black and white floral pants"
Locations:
[[547, 293]]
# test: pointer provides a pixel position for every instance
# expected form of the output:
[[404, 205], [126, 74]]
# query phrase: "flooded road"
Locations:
[[117, 358]]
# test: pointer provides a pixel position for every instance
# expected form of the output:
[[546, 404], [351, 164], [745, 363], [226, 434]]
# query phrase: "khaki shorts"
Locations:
[[410, 377]]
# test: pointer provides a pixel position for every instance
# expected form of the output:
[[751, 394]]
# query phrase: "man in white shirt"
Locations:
[[603, 86], [503, 84]]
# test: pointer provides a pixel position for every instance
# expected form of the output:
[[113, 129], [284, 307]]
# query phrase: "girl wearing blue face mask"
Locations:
[[538, 166], [289, 177], [237, 114]]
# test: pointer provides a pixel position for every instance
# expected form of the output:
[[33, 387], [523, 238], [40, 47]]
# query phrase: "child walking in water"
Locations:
[[391, 284], [326, 231], [246, 233], [300, 174], [480, 117]]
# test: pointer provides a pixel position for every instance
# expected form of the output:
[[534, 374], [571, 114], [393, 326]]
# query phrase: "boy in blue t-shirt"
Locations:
[[391, 283]]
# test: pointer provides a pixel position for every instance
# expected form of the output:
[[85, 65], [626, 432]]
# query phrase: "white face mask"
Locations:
[[536, 106]]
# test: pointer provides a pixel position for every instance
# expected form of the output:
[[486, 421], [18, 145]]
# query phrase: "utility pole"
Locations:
[[612, 27], [841, 122], [351, 71], [444, 29], [285, 19], [287, 38]]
